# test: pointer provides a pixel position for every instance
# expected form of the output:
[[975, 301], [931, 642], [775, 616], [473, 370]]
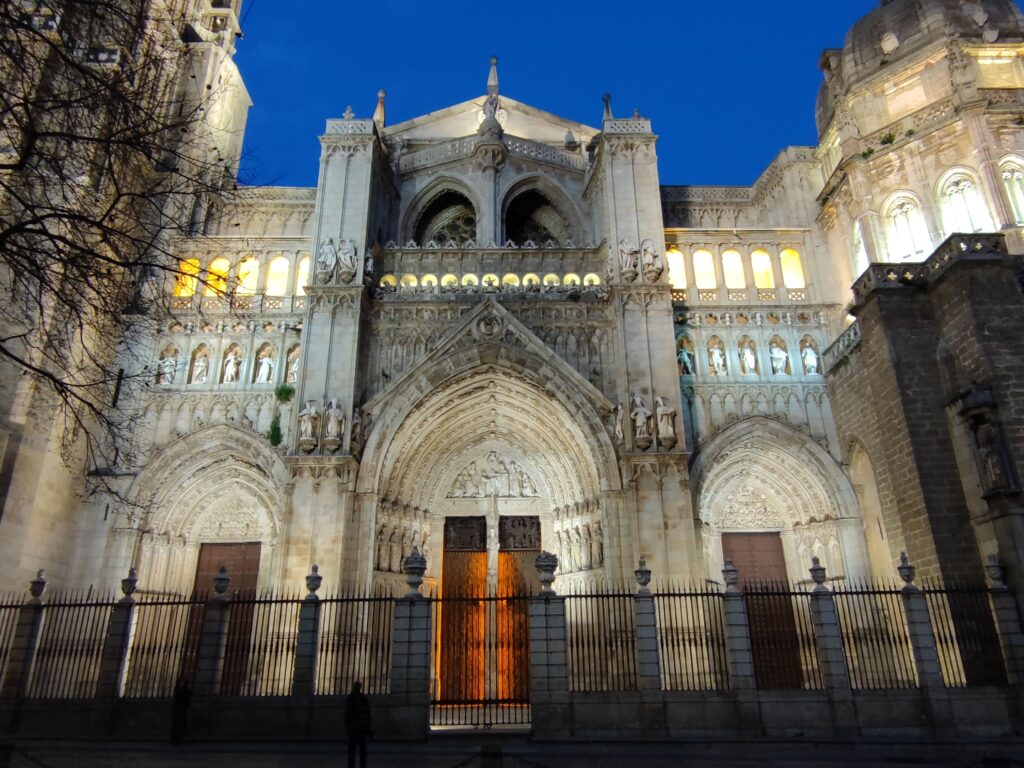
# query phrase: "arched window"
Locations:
[[590, 280], [217, 277], [248, 275], [676, 269], [792, 269], [732, 268], [551, 280], [448, 218], [302, 276], [704, 270], [1013, 183], [530, 217], [428, 280], [449, 281], [963, 209], [388, 281], [510, 279], [277, 276], [187, 278], [761, 266], [470, 280], [530, 279], [408, 281], [571, 279], [908, 236]]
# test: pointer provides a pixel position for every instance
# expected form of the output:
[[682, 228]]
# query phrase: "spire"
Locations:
[[607, 99], [492, 78], [378, 113]]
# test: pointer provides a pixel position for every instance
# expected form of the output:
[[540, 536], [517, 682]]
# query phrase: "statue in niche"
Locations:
[[334, 421], [358, 425], [651, 261], [810, 358], [585, 553], [395, 551], [629, 259], [717, 358], [167, 367], [231, 364], [200, 368], [327, 257], [406, 544], [515, 479], [666, 420], [778, 357], [686, 360], [577, 554], [618, 413], [597, 546], [495, 475], [991, 457], [293, 367], [308, 418], [382, 549], [346, 255], [641, 418], [560, 551], [265, 368], [748, 356]]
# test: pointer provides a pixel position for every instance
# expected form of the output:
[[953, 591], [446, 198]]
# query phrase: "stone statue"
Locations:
[[778, 357], [515, 479], [597, 547], [293, 368], [357, 426], [686, 361], [395, 552], [231, 366], [346, 255], [618, 414], [406, 544], [327, 257], [810, 358], [334, 421], [585, 553], [651, 261], [529, 489], [749, 358], [717, 358], [666, 418], [200, 369], [641, 417], [991, 461], [265, 369], [308, 418], [577, 554], [167, 369], [368, 271], [382, 549], [629, 256]]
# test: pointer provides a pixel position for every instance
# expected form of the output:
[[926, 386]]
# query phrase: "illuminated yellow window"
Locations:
[[428, 281], [551, 279], [510, 279], [704, 270], [571, 279], [248, 275], [277, 276], [187, 278], [590, 279], [408, 281], [732, 268], [490, 280], [470, 280], [217, 277], [302, 276], [676, 268], [792, 269], [449, 281], [531, 279], [388, 281], [761, 265]]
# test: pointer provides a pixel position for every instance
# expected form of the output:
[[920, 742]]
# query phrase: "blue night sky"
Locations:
[[727, 85]]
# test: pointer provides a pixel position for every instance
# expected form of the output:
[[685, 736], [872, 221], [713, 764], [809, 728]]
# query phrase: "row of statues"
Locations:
[[580, 547], [646, 260], [394, 543], [746, 352], [231, 366], [646, 424], [328, 427], [492, 476], [340, 259]]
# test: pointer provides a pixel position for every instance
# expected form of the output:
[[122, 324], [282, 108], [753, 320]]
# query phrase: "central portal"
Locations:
[[482, 649]]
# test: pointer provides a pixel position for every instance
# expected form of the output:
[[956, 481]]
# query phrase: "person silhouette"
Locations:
[[358, 724]]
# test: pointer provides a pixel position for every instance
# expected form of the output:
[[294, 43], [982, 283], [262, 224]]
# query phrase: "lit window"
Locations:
[[908, 235], [963, 210], [490, 280], [676, 268], [732, 268], [470, 280], [187, 277], [277, 276], [571, 279], [388, 281], [428, 281], [510, 279], [302, 276], [408, 281], [761, 265], [449, 281], [530, 279], [792, 269], [1013, 183], [217, 277], [704, 270], [248, 275], [551, 279], [590, 279]]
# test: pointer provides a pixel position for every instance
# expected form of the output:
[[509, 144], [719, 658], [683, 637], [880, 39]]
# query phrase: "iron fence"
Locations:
[[9, 608], [70, 649], [875, 640], [601, 640], [354, 643], [965, 635], [691, 640], [781, 636]]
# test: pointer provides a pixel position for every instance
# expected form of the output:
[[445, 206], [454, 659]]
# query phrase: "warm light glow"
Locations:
[[248, 275], [571, 279], [591, 279], [217, 277], [1013, 183], [531, 279], [490, 280], [277, 276], [704, 270], [302, 276], [187, 278], [676, 268], [449, 281], [908, 235], [510, 279], [428, 280], [963, 209], [761, 266], [470, 280], [408, 281], [388, 281], [792, 269], [732, 268], [551, 279]]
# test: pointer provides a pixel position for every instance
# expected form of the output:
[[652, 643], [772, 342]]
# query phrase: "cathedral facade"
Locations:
[[490, 331]]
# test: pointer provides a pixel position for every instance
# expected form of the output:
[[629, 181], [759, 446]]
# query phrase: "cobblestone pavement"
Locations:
[[496, 751]]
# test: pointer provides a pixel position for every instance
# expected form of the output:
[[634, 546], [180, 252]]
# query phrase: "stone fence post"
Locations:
[[923, 646], [307, 641], [549, 667], [1004, 609], [828, 636], [22, 656], [410, 656], [213, 637], [738, 652], [118, 642], [648, 664]]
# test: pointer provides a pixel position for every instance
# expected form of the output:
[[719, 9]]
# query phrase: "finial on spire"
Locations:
[[492, 78], [378, 113], [607, 99]]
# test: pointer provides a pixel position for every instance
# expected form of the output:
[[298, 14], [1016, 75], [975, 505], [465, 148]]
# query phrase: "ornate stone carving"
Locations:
[[519, 532], [666, 423], [629, 260], [492, 476], [641, 416], [326, 261], [651, 261], [309, 426], [748, 510]]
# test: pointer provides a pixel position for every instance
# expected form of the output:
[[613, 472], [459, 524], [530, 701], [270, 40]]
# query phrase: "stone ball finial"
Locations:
[[129, 584], [643, 576], [37, 586], [313, 581], [414, 566], [546, 565], [221, 581], [907, 572]]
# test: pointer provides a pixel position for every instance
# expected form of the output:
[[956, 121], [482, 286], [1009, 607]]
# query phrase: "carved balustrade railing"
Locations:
[[238, 303], [842, 346]]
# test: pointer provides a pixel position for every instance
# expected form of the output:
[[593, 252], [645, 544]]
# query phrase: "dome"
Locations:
[[898, 28]]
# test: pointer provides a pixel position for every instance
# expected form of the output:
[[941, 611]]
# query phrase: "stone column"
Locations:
[[549, 668], [739, 653], [828, 641], [1007, 617], [648, 663], [213, 637], [308, 640], [922, 643], [21, 660], [410, 657], [118, 642]]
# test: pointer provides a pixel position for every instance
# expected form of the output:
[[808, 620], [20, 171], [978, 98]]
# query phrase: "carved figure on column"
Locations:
[[778, 357], [346, 261], [395, 552], [293, 366], [666, 418], [585, 553], [716, 357], [326, 260], [334, 425], [641, 422], [618, 414], [168, 367], [629, 260], [810, 357], [231, 364], [200, 368], [748, 356], [597, 546], [309, 422], [383, 556], [577, 554], [992, 458], [685, 358], [651, 261], [265, 368], [358, 426]]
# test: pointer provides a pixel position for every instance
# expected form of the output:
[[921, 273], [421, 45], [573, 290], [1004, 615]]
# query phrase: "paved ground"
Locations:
[[513, 751]]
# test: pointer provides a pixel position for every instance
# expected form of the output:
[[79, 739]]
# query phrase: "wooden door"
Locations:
[[463, 612], [773, 631]]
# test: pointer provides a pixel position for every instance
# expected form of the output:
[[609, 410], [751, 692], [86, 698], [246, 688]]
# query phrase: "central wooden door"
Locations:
[[775, 645]]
